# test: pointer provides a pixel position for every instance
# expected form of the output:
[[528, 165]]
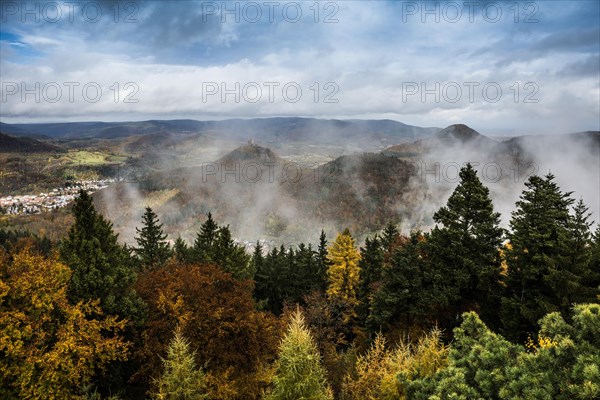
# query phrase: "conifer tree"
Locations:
[[286, 276], [322, 262], [477, 365], [293, 274], [580, 253], [371, 267], [390, 233], [181, 379], [464, 248], [561, 364], [593, 271], [263, 280], [272, 280], [543, 275], [344, 272], [152, 251], [230, 256], [102, 268], [299, 373], [308, 262], [215, 245], [300, 262], [258, 259], [402, 296], [182, 251], [204, 244]]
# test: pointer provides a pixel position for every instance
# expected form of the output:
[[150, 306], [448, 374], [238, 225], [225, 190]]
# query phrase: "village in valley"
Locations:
[[46, 201]]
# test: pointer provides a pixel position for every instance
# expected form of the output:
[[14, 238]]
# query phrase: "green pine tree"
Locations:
[[561, 363], [152, 251], [299, 373], [464, 249], [583, 287], [102, 268], [477, 365], [298, 274], [258, 259], [308, 264], [371, 267], [215, 245], [230, 256], [182, 251], [322, 262], [204, 245], [272, 281], [286, 276], [402, 296], [592, 276], [181, 380], [540, 276], [389, 235]]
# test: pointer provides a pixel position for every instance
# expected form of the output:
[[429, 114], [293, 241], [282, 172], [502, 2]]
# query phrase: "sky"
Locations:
[[515, 67]]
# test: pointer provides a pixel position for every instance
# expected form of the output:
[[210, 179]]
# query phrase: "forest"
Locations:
[[467, 310]]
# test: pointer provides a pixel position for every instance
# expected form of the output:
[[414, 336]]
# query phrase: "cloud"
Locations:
[[171, 49], [588, 67]]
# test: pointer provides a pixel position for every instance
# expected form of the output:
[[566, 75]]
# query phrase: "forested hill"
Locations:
[[10, 144], [468, 310]]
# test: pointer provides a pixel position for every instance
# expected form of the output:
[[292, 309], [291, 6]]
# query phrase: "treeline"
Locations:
[[464, 311]]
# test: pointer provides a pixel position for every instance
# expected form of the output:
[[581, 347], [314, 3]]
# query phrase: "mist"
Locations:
[[286, 191]]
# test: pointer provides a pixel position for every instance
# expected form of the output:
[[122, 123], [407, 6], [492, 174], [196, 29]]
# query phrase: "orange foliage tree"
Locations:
[[233, 341]]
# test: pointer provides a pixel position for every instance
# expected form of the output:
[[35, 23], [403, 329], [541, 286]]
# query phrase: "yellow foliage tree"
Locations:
[[343, 274], [383, 374], [49, 349]]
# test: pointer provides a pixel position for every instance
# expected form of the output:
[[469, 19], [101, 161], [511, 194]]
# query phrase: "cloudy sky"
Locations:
[[500, 67]]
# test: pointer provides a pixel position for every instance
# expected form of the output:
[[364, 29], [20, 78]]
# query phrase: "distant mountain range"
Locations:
[[262, 129]]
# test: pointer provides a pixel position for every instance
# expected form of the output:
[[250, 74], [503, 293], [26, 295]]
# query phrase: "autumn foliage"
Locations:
[[49, 348], [344, 272], [216, 313], [298, 370], [463, 311]]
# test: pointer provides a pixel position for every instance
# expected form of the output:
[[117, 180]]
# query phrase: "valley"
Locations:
[[286, 182]]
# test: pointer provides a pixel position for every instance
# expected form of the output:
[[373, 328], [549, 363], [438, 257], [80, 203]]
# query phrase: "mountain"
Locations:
[[288, 129], [459, 133], [250, 153], [454, 137], [11, 144]]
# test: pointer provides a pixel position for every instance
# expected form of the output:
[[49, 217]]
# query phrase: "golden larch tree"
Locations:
[[343, 274]]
